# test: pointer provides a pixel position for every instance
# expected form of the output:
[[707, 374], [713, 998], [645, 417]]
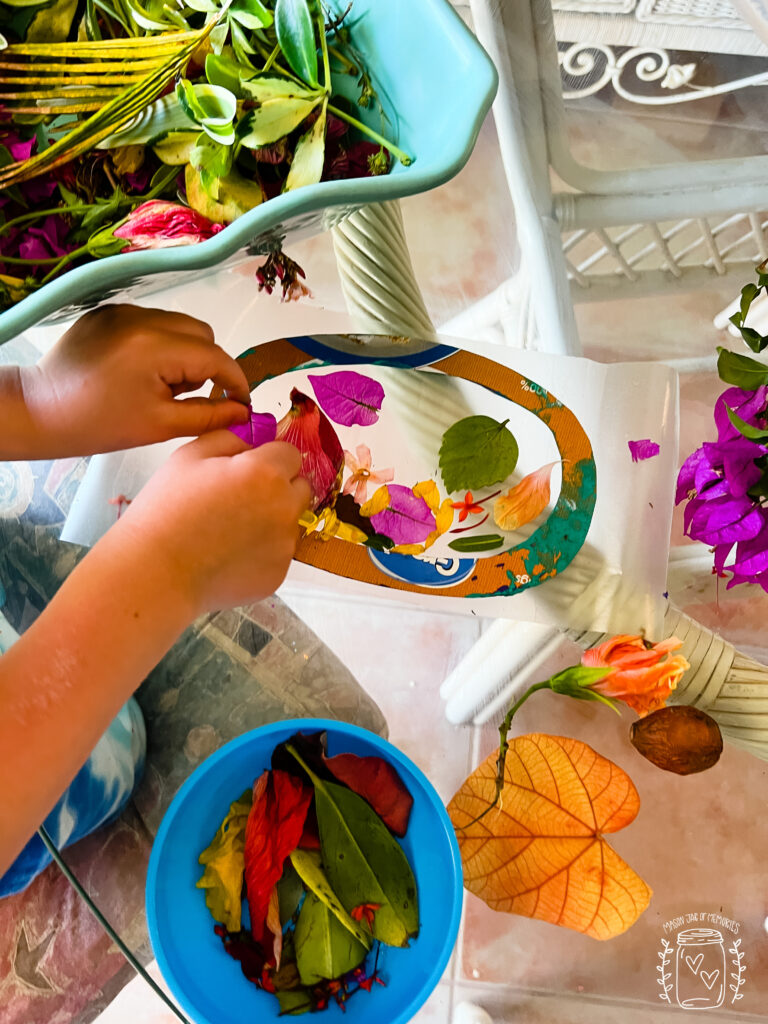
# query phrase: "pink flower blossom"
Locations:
[[157, 224], [362, 474]]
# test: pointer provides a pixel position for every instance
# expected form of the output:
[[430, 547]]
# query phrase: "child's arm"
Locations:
[[112, 382], [215, 527]]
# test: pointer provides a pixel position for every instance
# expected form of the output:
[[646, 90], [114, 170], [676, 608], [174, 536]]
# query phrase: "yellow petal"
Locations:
[[524, 501], [444, 517], [427, 490], [408, 549], [346, 531], [377, 503]]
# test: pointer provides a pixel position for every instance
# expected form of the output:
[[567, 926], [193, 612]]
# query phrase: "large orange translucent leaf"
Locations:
[[540, 851]]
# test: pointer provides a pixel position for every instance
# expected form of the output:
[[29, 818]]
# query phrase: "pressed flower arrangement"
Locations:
[[126, 127]]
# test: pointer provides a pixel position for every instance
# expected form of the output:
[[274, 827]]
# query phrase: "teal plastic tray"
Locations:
[[436, 84]]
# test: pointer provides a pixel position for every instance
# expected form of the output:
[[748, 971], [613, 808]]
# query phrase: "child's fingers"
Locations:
[[282, 457], [187, 417], [193, 360], [178, 323]]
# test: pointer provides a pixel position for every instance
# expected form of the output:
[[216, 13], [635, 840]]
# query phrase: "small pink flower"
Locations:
[[362, 474], [157, 224]]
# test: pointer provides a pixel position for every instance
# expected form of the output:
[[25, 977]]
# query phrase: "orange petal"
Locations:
[[525, 501]]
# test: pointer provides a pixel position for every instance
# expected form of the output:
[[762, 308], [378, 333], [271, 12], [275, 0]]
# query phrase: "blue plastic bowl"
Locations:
[[206, 982], [436, 84]]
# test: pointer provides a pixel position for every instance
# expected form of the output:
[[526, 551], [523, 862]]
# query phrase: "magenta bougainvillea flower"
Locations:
[[725, 508], [157, 224]]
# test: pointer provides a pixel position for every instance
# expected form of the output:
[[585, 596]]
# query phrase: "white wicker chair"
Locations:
[[605, 233]]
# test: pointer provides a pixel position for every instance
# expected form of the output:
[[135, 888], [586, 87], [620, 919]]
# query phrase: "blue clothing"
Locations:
[[97, 794]]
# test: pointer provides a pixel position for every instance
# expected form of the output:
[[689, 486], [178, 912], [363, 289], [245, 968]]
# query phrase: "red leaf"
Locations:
[[274, 827], [310, 837], [376, 781]]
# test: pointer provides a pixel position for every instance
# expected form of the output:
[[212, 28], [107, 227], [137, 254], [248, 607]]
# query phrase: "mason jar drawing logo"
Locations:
[[700, 969]]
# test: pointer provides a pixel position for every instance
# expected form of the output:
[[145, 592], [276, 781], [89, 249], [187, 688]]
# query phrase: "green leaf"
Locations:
[[741, 371], [746, 429], [224, 862], [213, 161], [294, 1002], [308, 159], [222, 70], [296, 36], [363, 862], [251, 14], [325, 949], [289, 894], [159, 119], [576, 682], [272, 120], [748, 293], [486, 542], [175, 149], [477, 451], [379, 542], [309, 868], [212, 106]]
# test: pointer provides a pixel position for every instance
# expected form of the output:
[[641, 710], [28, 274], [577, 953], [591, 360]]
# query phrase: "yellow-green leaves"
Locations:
[[307, 165], [476, 451], [224, 862], [310, 870], [282, 106], [363, 862], [324, 947]]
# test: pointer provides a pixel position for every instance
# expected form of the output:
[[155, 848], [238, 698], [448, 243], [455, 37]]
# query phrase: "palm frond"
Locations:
[[79, 82]]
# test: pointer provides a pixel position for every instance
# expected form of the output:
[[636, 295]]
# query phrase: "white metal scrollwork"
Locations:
[[586, 68]]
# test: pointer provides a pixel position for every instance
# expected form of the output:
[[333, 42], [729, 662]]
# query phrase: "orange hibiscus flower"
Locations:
[[643, 676]]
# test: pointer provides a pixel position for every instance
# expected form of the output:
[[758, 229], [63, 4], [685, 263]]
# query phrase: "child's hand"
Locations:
[[111, 382], [219, 521]]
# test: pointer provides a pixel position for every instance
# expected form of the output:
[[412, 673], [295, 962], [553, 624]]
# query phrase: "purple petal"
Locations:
[[737, 457], [688, 478], [407, 520], [641, 450], [726, 520], [260, 429], [348, 398], [721, 553], [746, 404], [751, 557]]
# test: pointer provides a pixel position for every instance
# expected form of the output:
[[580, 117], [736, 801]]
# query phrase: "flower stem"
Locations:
[[404, 159], [44, 213], [501, 759], [324, 48], [335, 52], [271, 59], [63, 262]]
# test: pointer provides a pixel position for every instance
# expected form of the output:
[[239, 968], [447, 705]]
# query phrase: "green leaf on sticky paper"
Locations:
[[476, 452], [363, 862], [486, 542], [309, 868], [325, 949]]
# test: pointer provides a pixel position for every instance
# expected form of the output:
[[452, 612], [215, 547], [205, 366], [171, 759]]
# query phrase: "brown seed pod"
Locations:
[[678, 739]]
